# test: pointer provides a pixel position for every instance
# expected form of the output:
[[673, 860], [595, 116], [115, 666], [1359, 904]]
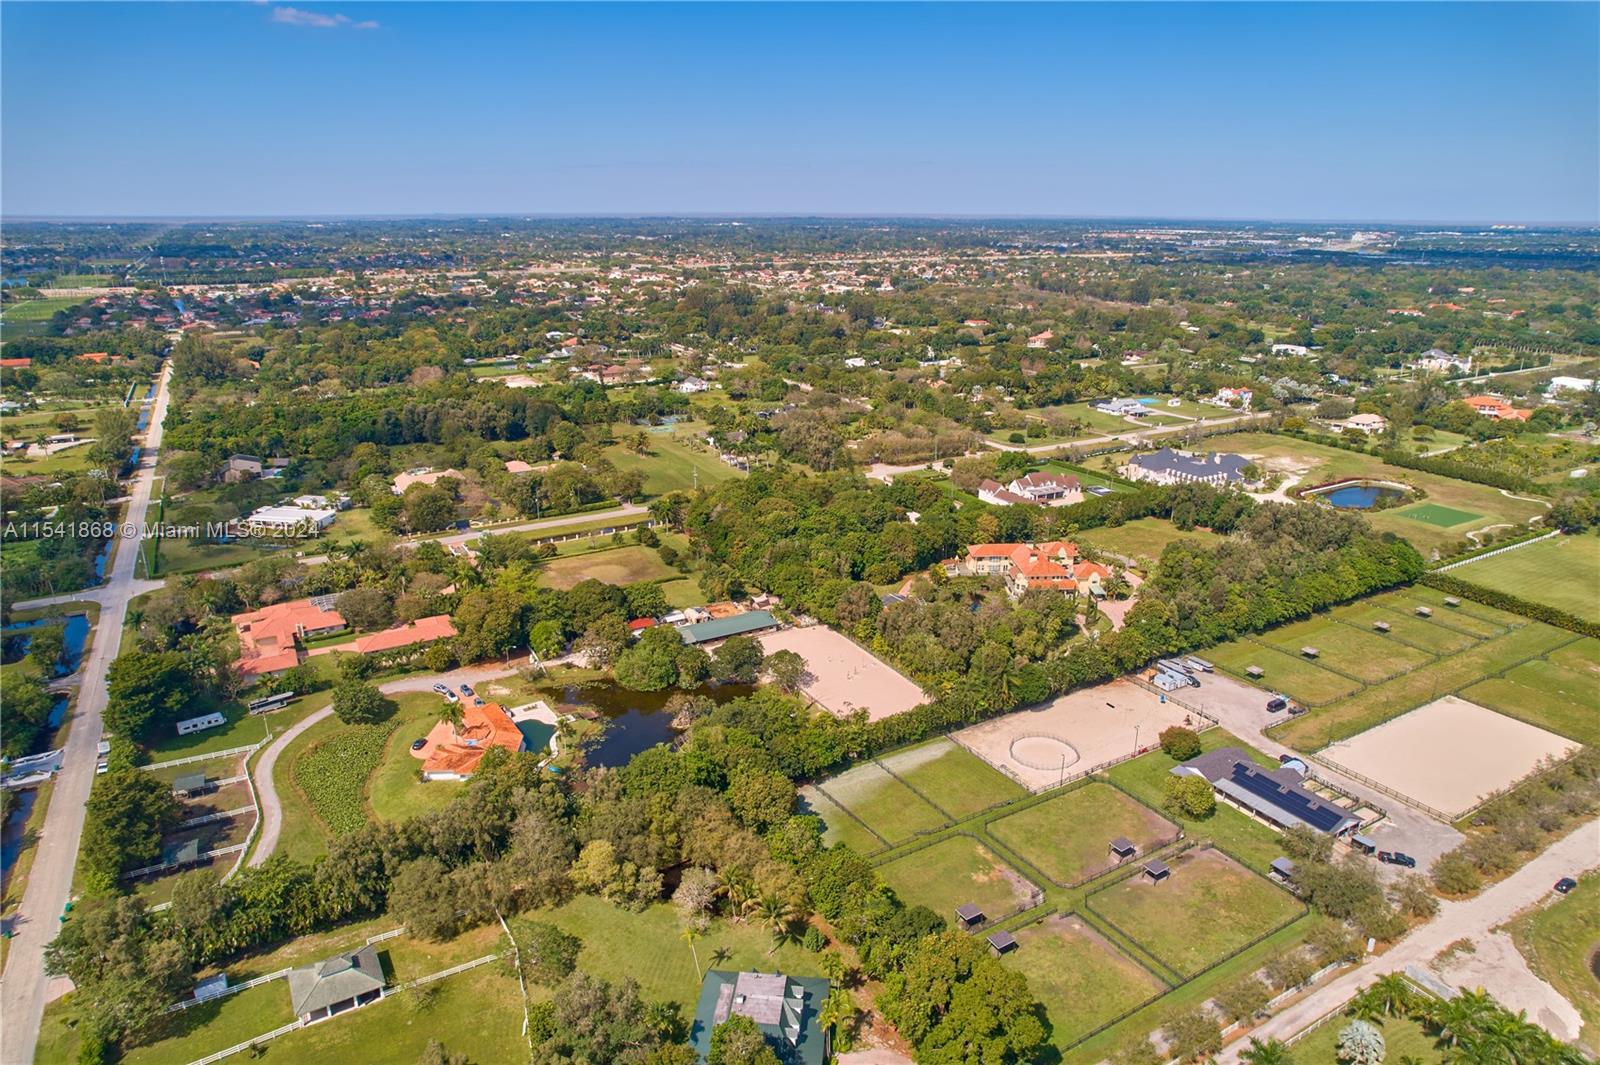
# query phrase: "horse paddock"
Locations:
[[1448, 755], [842, 676], [1074, 733]]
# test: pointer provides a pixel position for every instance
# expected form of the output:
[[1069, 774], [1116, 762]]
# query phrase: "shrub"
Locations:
[[1194, 1035], [1180, 743], [1361, 1044], [1191, 797], [814, 940], [333, 775], [1454, 874]]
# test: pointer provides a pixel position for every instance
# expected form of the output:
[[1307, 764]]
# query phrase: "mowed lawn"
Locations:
[[884, 804], [838, 826], [1563, 573], [396, 791], [615, 565], [1282, 671], [1207, 908], [1068, 837], [1403, 1038], [952, 777], [1081, 979], [670, 464], [1144, 538], [954, 872], [1433, 635], [1361, 653], [1543, 693]]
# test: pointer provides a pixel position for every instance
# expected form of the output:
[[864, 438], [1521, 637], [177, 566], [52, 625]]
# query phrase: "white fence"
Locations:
[[231, 751], [1496, 551]]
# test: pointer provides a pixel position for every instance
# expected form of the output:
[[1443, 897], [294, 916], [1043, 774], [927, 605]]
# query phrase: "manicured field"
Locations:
[[1432, 635], [1466, 614], [1081, 979], [1563, 572], [1545, 694], [1360, 653], [1581, 656], [893, 810], [1307, 682], [239, 730], [1144, 538], [671, 464], [952, 778], [1380, 702], [1209, 907], [396, 791], [1068, 837], [1434, 514], [840, 827], [617, 565], [954, 872], [38, 310], [1560, 942]]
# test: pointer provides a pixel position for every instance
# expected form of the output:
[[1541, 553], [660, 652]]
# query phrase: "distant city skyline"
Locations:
[[1339, 114]]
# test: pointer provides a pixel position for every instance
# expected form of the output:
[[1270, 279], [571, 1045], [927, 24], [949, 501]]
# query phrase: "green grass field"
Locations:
[[1545, 694], [1209, 906], [1346, 649], [1079, 976], [1563, 572], [394, 790], [615, 565], [1068, 837], [952, 778], [1283, 671], [893, 810], [1434, 514], [838, 826], [673, 464], [37, 310], [1143, 538], [1559, 942], [956, 871]]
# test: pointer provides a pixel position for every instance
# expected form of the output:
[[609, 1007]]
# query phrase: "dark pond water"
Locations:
[[635, 721], [75, 636], [11, 836], [1360, 496]]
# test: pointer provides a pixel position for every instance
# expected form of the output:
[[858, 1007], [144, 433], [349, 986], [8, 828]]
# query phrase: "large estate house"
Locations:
[[1050, 489], [268, 638], [1055, 564], [1168, 466]]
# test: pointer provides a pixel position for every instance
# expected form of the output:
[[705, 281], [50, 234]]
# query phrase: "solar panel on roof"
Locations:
[[1314, 813]]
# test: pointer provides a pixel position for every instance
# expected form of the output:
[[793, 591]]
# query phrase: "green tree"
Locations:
[[737, 1041], [737, 659], [127, 814], [787, 669], [951, 998], [1272, 1052], [145, 690], [359, 703], [1190, 796], [124, 972], [1180, 743]]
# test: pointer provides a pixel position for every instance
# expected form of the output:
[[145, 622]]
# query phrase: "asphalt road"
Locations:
[[22, 988]]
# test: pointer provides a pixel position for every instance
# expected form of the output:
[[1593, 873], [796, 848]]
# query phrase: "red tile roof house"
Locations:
[[1496, 408], [422, 630], [454, 753], [1054, 564], [267, 637]]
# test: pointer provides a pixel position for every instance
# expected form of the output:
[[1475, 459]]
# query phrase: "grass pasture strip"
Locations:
[[1347, 650], [1307, 682], [1426, 634], [1079, 976], [1068, 837], [952, 778], [883, 803], [1581, 656], [840, 827], [1479, 619], [617, 565], [1380, 702], [955, 871], [1544, 694], [1207, 908]]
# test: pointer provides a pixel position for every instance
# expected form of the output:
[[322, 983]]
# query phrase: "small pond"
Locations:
[[12, 835], [75, 636], [1360, 496], [635, 721]]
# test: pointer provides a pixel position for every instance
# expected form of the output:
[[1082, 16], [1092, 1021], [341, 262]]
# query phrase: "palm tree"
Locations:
[[689, 936], [777, 914], [1272, 1052], [1461, 1019], [833, 966], [838, 1013], [1388, 996]]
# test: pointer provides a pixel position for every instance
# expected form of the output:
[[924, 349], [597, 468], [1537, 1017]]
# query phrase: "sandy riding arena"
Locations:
[[1074, 733], [842, 676], [1449, 755]]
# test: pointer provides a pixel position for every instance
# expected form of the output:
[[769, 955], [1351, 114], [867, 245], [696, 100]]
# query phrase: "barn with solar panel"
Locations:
[[1277, 796]]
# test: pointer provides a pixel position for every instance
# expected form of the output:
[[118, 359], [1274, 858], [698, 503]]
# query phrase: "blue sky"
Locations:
[[1439, 111]]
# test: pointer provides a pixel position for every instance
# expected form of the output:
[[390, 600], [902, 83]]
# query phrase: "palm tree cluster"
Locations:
[[1470, 1029]]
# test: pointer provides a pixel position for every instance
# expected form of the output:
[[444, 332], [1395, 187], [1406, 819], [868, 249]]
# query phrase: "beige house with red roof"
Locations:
[[1053, 564], [422, 630], [269, 637], [451, 753]]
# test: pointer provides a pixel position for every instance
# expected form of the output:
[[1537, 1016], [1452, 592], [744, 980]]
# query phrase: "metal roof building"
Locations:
[[785, 1008], [734, 625]]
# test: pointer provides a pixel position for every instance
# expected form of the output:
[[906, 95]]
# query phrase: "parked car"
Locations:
[[1566, 884], [418, 744], [466, 689], [441, 689], [1397, 858], [452, 696], [1276, 703]]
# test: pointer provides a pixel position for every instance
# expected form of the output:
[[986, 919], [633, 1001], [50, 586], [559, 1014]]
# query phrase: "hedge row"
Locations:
[[1443, 582]]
